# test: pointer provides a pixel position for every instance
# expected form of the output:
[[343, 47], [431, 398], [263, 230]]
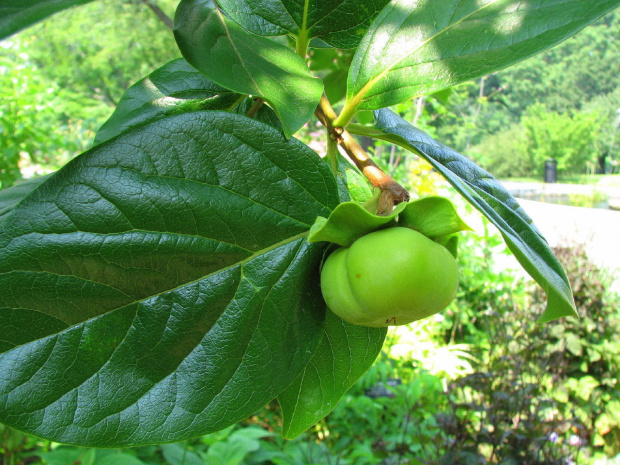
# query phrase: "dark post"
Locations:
[[551, 170]]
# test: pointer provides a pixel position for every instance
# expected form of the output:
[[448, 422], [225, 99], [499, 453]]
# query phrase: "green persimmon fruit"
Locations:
[[389, 277]]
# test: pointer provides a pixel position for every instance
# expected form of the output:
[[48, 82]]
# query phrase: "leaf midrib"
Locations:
[[243, 262], [240, 264], [234, 47]]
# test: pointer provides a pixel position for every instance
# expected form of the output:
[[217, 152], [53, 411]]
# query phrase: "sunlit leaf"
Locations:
[[417, 47], [175, 88]]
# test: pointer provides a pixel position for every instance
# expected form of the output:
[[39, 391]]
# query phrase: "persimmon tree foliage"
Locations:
[[165, 283]]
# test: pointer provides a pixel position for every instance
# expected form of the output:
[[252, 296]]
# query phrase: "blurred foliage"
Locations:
[[543, 394], [608, 106], [109, 56], [569, 75], [503, 154], [55, 91], [569, 139], [33, 138]]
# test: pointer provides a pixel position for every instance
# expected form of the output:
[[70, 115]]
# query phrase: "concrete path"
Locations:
[[597, 229], [519, 189]]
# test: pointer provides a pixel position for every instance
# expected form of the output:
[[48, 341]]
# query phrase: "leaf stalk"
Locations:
[[258, 102], [347, 114], [332, 153], [301, 46]]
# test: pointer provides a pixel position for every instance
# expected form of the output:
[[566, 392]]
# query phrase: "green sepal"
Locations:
[[348, 222], [432, 216], [436, 218], [450, 242]]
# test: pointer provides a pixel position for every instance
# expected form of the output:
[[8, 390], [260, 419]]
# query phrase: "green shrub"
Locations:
[[542, 394], [503, 154], [570, 139]]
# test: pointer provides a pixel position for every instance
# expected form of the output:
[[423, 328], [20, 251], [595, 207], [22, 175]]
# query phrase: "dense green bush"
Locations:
[[68, 87], [542, 394], [504, 153], [34, 149], [576, 141]]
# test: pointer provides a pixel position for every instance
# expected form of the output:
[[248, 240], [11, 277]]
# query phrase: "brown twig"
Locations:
[[160, 13], [258, 102], [392, 193]]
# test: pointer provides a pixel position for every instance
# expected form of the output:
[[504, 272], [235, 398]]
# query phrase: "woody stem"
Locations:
[[392, 193]]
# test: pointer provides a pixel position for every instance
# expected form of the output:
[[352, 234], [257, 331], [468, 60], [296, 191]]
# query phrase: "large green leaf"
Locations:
[[177, 87], [160, 286], [10, 198], [344, 354], [416, 47], [487, 195], [247, 63], [16, 15], [341, 23]]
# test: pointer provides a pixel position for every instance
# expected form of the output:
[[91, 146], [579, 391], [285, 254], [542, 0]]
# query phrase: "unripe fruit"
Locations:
[[389, 277]]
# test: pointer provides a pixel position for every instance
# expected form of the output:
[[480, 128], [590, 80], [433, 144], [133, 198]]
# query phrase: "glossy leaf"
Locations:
[[175, 88], [160, 286], [10, 198], [247, 63], [16, 15], [358, 186], [340, 23], [418, 47], [344, 354], [487, 195]]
